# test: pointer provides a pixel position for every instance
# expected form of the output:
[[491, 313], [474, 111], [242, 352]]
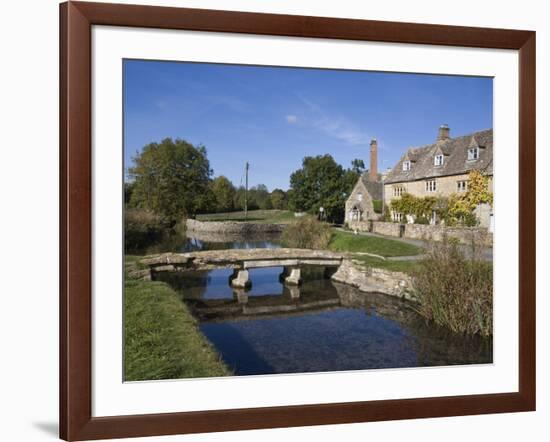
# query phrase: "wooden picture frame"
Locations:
[[76, 21]]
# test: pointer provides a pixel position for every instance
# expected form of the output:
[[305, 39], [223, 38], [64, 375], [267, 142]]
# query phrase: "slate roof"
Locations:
[[455, 159], [375, 188]]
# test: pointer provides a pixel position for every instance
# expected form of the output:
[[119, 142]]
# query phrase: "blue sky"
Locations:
[[272, 117]]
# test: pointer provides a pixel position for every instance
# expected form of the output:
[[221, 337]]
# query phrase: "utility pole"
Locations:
[[246, 192]]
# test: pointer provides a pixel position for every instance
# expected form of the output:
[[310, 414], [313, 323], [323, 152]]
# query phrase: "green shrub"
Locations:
[[307, 233], [141, 228], [469, 220], [421, 220], [377, 206], [386, 216], [453, 291]]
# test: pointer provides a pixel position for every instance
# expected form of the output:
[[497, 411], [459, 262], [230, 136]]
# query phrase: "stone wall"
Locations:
[[376, 280], [360, 226], [436, 233], [222, 227], [431, 232], [385, 228]]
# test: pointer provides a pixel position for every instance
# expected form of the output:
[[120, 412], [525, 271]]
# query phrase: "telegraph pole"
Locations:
[[246, 192]]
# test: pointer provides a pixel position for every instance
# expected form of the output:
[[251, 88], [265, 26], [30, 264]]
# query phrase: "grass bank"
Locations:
[[162, 338], [257, 216], [349, 242], [408, 267]]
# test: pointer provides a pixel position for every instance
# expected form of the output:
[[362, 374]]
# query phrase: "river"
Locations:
[[319, 326]]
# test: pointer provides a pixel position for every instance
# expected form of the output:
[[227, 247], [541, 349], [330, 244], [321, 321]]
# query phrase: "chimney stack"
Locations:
[[444, 132], [373, 170]]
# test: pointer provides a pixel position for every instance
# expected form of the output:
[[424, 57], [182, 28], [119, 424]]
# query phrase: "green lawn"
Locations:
[[259, 216], [394, 266], [162, 339], [348, 242]]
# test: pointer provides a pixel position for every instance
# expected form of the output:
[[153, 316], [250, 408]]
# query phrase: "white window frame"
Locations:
[[431, 186], [406, 166], [398, 190], [462, 186], [473, 153], [438, 160]]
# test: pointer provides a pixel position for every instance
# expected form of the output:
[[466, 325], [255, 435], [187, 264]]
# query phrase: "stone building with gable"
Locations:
[[441, 169], [367, 193]]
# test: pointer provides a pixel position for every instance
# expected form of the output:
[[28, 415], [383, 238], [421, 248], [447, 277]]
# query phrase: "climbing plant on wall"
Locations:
[[461, 207], [455, 209]]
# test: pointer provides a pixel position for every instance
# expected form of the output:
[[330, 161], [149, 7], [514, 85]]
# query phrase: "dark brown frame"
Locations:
[[76, 20]]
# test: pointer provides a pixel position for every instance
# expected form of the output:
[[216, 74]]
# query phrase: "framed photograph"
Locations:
[[273, 220]]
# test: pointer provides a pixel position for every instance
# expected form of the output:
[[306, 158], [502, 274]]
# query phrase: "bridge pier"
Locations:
[[241, 295], [292, 275], [240, 279], [294, 292]]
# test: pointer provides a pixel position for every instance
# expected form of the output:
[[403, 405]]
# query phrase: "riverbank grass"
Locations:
[[408, 267], [349, 242], [162, 338], [454, 291], [258, 216]]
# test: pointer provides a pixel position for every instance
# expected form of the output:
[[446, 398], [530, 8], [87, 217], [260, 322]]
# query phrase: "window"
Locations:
[[430, 186], [359, 196], [473, 153], [406, 165], [438, 160], [462, 186], [398, 190], [397, 216]]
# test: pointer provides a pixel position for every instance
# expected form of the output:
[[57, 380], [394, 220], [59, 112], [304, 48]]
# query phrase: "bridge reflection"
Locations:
[[215, 303], [213, 300]]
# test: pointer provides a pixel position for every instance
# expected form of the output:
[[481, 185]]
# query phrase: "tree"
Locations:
[[128, 190], [224, 193], [358, 166], [172, 179], [321, 182], [258, 197], [278, 199]]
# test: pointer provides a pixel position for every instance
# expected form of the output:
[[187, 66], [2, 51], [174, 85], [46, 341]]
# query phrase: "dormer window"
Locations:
[[438, 160], [473, 153], [406, 166]]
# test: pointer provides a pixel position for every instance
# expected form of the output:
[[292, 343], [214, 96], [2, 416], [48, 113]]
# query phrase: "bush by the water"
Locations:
[[455, 291], [141, 228], [307, 233]]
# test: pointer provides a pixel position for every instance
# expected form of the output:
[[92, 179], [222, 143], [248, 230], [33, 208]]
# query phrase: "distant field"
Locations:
[[257, 216]]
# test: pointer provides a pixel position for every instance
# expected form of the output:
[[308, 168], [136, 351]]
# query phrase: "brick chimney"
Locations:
[[444, 132], [373, 170]]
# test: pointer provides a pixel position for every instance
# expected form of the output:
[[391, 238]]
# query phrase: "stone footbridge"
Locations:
[[241, 261]]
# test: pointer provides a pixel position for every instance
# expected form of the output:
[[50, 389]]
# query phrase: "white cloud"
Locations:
[[335, 126], [291, 119]]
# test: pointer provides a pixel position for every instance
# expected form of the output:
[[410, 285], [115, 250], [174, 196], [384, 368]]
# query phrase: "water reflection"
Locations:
[[319, 326]]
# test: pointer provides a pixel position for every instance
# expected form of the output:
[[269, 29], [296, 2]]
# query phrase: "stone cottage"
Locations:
[[369, 188], [442, 168]]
